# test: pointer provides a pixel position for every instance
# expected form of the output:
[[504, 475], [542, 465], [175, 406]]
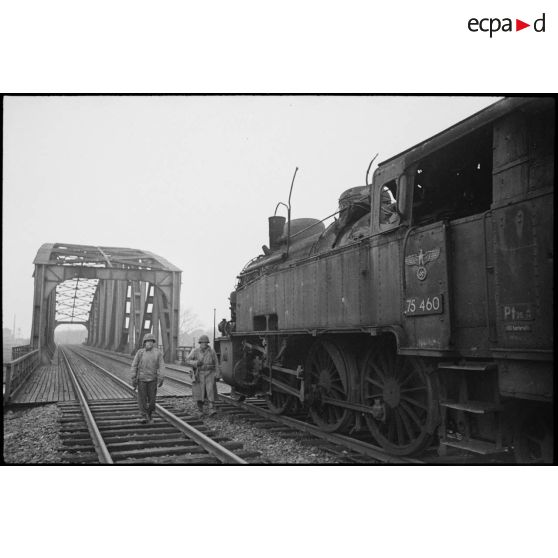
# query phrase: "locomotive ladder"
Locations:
[[468, 408]]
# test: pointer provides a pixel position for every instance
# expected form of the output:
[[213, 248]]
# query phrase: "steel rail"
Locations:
[[100, 446], [125, 359], [212, 447], [116, 356], [364, 448]]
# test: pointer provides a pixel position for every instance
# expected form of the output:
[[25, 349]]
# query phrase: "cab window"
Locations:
[[455, 181], [388, 203]]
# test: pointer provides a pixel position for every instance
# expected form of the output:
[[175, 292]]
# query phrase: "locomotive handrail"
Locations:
[[17, 371], [402, 266], [317, 223], [486, 287], [256, 265]]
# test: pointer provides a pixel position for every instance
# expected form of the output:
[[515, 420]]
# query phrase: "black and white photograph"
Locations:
[[306, 301], [277, 279]]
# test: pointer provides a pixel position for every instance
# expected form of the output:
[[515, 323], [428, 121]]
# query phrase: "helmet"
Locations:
[[203, 339], [149, 337]]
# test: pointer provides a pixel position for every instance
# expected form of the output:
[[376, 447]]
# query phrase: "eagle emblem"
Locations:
[[420, 260]]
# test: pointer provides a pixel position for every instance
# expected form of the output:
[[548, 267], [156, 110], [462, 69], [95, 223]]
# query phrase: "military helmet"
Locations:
[[203, 339], [149, 337]]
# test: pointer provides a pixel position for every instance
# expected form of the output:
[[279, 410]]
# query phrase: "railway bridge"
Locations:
[[118, 294]]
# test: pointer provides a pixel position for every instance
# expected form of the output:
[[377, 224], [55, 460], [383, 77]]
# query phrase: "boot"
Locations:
[[212, 410], [200, 406]]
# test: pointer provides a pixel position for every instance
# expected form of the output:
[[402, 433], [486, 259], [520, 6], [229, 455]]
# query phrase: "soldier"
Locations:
[[222, 327], [206, 371], [148, 373]]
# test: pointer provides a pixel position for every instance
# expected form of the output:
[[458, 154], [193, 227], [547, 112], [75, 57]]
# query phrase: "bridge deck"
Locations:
[[51, 383], [47, 384]]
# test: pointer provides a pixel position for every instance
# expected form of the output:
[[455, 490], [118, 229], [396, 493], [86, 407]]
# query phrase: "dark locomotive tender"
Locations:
[[425, 311]]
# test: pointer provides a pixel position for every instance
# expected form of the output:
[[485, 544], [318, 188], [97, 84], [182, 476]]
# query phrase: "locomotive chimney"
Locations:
[[276, 228]]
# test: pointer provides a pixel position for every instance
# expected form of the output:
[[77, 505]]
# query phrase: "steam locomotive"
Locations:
[[424, 312]]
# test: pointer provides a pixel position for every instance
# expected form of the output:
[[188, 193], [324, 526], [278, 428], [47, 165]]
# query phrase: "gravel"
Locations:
[[31, 435], [273, 449]]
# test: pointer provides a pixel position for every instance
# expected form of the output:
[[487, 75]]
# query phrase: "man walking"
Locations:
[[206, 370], [148, 373]]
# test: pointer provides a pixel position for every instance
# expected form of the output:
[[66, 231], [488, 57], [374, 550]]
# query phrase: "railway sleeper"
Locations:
[[81, 458], [176, 460], [152, 452], [143, 437], [75, 439], [132, 444], [79, 448]]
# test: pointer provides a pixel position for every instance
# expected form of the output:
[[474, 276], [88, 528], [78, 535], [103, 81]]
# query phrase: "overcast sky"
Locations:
[[192, 179]]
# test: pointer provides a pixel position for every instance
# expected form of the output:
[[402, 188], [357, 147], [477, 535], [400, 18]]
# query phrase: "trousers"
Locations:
[[204, 388], [147, 392]]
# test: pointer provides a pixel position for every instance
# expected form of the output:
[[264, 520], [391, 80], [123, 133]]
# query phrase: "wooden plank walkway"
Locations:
[[122, 370], [47, 384], [51, 383]]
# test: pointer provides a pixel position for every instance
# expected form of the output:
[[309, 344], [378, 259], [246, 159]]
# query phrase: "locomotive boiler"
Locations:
[[424, 312]]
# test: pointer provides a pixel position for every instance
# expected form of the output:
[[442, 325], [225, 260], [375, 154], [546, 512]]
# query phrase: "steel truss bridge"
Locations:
[[118, 294]]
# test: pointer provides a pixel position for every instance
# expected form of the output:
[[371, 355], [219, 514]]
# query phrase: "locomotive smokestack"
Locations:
[[276, 228]]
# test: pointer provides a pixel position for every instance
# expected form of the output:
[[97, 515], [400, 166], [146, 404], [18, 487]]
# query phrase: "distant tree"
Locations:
[[189, 323]]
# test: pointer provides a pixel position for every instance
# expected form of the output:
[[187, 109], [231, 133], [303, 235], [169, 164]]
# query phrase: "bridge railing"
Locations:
[[17, 371], [182, 352], [20, 350]]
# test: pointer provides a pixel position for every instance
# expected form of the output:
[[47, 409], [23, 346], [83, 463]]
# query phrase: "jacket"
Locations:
[[148, 365], [209, 359]]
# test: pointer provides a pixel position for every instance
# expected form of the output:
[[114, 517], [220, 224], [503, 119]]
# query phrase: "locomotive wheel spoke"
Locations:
[[391, 429], [406, 424], [399, 426], [411, 413], [330, 371], [407, 378], [379, 374], [414, 402], [338, 389], [279, 402], [407, 393], [374, 382]]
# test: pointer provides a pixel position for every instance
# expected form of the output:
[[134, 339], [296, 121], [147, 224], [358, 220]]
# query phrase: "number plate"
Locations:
[[424, 305]]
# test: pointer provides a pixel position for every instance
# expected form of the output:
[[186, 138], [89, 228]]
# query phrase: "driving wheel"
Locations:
[[330, 373], [402, 393]]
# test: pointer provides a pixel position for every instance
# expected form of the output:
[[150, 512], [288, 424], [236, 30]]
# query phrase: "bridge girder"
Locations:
[[119, 294]]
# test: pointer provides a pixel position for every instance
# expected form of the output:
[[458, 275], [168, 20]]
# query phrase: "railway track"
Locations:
[[107, 431], [348, 449], [174, 375]]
